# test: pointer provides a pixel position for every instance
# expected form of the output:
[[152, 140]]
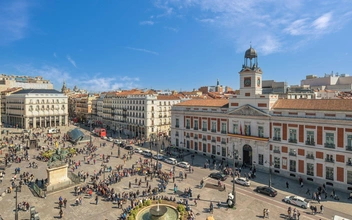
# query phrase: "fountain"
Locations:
[[157, 212]]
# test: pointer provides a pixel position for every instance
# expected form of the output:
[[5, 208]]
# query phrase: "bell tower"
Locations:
[[250, 75]]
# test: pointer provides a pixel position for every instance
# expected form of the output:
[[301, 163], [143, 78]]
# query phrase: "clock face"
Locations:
[[247, 82], [258, 82]]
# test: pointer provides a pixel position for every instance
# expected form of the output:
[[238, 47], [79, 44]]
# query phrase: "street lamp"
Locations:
[[233, 176], [16, 210], [269, 172]]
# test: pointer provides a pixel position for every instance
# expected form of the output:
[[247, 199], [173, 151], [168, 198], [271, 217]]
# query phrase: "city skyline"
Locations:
[[176, 45]]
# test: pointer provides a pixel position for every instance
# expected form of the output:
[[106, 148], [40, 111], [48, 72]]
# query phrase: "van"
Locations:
[[52, 131]]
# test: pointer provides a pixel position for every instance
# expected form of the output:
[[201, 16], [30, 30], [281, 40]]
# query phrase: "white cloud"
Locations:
[[146, 22], [142, 50], [323, 21], [171, 29], [55, 55], [90, 82], [272, 26], [14, 20], [71, 61]]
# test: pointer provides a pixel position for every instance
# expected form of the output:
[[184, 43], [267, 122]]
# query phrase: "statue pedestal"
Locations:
[[57, 178]]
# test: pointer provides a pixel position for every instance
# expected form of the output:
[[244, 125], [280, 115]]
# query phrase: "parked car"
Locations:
[[218, 176], [104, 138], [138, 150], [110, 139], [242, 181], [147, 153], [183, 164], [266, 190], [158, 157], [129, 147], [297, 201], [171, 161]]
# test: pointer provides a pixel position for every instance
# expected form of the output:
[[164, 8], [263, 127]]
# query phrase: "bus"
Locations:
[[100, 132]]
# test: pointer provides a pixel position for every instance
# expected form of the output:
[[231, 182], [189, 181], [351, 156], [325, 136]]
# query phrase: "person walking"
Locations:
[[65, 202], [96, 200], [287, 185], [321, 209]]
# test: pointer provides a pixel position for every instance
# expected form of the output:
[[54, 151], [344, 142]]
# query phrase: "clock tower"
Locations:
[[250, 75]]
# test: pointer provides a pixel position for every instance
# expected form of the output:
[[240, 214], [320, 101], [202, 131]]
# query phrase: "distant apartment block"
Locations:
[[26, 82], [333, 81]]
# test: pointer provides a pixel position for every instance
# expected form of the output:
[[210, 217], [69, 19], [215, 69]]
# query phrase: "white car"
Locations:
[[110, 139], [242, 181], [297, 201], [158, 157], [138, 150], [147, 153], [171, 161], [104, 138], [116, 141], [183, 164]]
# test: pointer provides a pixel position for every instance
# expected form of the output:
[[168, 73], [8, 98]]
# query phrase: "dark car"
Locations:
[[266, 190], [129, 148], [218, 176]]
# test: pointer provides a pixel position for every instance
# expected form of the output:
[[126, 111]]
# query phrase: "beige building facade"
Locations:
[[35, 108]]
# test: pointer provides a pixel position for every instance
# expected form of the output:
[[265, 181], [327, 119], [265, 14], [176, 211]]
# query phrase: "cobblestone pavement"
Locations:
[[249, 204]]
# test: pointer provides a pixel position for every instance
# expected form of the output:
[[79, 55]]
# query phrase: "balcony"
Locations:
[[277, 166], [292, 169], [176, 134], [349, 147], [213, 130], [195, 128], [277, 138], [204, 139], [247, 137], [188, 127], [204, 129], [329, 145], [223, 142], [310, 156], [187, 136], [349, 162], [213, 140], [276, 151], [330, 160], [292, 140], [195, 138], [223, 132], [292, 153], [310, 142]]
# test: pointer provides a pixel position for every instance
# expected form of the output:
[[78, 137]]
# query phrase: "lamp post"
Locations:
[[269, 173], [16, 209], [233, 176]]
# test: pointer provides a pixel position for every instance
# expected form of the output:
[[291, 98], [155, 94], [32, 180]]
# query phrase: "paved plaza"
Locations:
[[249, 205]]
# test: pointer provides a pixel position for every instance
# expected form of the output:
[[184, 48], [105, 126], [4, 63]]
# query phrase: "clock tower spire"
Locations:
[[250, 74]]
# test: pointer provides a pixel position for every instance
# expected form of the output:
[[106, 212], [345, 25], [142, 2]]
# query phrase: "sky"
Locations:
[[172, 44]]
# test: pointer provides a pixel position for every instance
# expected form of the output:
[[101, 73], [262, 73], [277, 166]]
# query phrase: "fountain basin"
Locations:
[[152, 213]]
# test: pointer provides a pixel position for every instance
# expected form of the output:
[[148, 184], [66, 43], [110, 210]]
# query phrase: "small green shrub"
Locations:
[[181, 208], [148, 202], [140, 205], [159, 201]]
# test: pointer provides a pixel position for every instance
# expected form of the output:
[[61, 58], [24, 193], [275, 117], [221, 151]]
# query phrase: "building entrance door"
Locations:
[[247, 155]]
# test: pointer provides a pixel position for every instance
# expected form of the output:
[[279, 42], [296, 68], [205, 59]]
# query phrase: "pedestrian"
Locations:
[[308, 192], [267, 213], [264, 213], [321, 209], [65, 202], [185, 175], [61, 213], [298, 214], [96, 200], [195, 203], [287, 185]]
